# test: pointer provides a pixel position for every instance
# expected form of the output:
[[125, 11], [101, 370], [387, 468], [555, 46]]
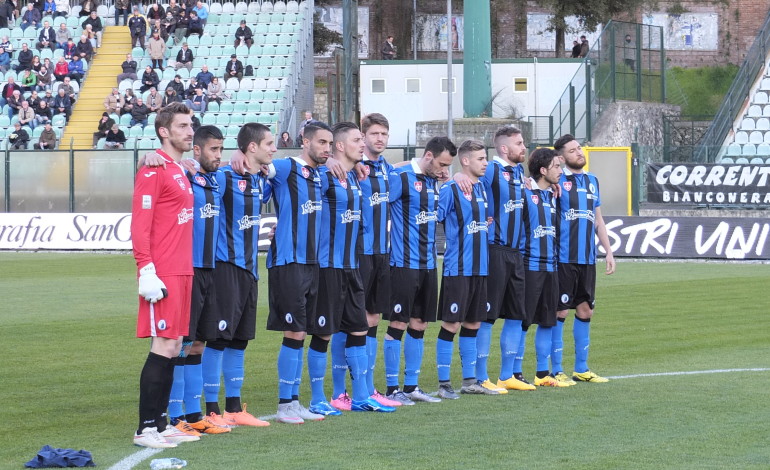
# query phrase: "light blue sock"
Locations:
[[357, 361], [483, 339], [581, 331], [316, 369], [509, 343], [413, 352], [391, 354], [212, 371], [519, 360], [297, 374], [193, 384], [557, 346], [176, 398], [371, 360], [339, 364], [468, 352], [444, 346], [543, 346], [233, 371], [287, 370]]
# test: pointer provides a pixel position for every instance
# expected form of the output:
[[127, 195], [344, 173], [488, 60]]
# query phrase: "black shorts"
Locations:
[[413, 294], [340, 305], [577, 283], [203, 306], [463, 299], [505, 284], [375, 273], [541, 297], [293, 289], [236, 315]]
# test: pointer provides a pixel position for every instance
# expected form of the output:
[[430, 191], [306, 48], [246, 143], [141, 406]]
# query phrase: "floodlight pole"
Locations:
[[414, 30], [350, 56], [450, 124]]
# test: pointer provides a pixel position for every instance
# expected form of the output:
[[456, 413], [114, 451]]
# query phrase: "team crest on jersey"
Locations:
[[507, 176], [242, 185], [343, 183], [162, 325], [468, 196], [418, 186], [305, 172], [591, 188], [535, 198], [200, 180], [180, 181], [367, 170], [222, 325], [567, 185]]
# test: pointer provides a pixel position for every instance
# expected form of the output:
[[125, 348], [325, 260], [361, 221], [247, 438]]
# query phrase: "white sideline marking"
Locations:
[[132, 460]]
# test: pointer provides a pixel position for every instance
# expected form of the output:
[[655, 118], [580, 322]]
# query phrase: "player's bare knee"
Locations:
[[197, 347], [471, 325], [584, 311], [417, 324], [373, 319], [562, 314], [298, 335], [451, 327]]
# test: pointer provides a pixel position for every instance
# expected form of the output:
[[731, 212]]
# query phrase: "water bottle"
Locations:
[[158, 464]]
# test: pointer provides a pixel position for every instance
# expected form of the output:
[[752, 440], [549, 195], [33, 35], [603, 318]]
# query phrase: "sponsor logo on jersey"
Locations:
[[200, 180], [248, 221], [541, 231], [350, 216], [151, 173], [185, 216], [308, 207], [378, 198], [567, 185], [425, 217], [574, 214], [511, 205], [418, 186], [242, 185], [209, 210], [591, 188], [476, 227], [146, 201], [535, 198]]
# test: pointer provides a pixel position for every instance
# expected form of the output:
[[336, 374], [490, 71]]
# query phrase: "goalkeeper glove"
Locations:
[[150, 286]]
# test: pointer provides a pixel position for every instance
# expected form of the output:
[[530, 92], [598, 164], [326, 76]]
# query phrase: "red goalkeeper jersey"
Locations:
[[162, 219]]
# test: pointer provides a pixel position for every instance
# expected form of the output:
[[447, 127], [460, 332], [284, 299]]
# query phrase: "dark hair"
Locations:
[[374, 119], [562, 141], [470, 145], [506, 131], [251, 132], [166, 115], [540, 158], [312, 127], [205, 133], [438, 145], [342, 128]]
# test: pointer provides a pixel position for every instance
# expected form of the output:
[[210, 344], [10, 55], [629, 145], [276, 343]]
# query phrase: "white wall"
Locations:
[[546, 81]]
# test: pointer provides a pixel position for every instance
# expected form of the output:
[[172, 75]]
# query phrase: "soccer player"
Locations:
[[341, 306], [463, 298], [580, 218], [236, 275], [161, 230], [540, 244], [413, 199]]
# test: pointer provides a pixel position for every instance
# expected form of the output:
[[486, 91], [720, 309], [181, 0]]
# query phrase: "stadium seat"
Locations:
[[760, 98], [226, 107], [59, 120], [733, 150], [755, 111], [222, 119], [193, 41], [232, 131], [209, 118], [16, 33], [256, 95], [241, 94], [212, 107], [236, 119], [206, 41], [266, 7], [228, 8], [279, 6], [232, 84], [135, 131], [100, 144], [747, 124], [253, 7], [726, 161], [757, 161], [292, 6], [262, 72], [215, 8], [763, 124], [230, 143], [242, 51], [763, 150], [125, 120], [741, 137], [765, 85], [146, 143], [247, 83], [5, 121], [742, 161], [274, 28], [756, 137], [749, 150], [241, 7], [240, 107], [250, 117]]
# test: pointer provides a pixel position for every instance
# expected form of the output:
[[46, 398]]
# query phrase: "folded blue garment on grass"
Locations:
[[49, 457]]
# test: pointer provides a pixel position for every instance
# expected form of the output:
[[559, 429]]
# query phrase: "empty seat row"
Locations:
[[265, 7], [748, 150], [753, 137], [745, 161]]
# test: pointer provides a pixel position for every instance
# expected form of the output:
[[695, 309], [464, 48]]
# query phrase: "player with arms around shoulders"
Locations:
[[161, 230], [581, 218], [463, 297], [413, 199]]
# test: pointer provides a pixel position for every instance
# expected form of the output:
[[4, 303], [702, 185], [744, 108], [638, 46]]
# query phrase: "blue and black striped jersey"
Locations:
[[539, 240], [502, 182], [340, 221], [206, 209], [577, 210], [297, 196], [239, 220], [414, 210], [376, 211], [464, 216]]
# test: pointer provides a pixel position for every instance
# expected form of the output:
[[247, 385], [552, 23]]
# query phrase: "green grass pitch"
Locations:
[[71, 363]]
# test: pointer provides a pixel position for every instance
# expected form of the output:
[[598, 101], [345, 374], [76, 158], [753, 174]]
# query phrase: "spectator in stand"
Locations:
[[197, 102], [27, 115], [48, 98], [43, 113], [215, 91], [6, 13], [18, 138], [49, 8], [8, 90], [62, 104], [154, 100], [35, 65], [70, 49], [174, 8], [194, 25], [191, 87], [155, 12], [169, 97], [139, 114], [244, 35], [25, 58], [6, 44], [115, 138], [33, 100], [584, 47], [113, 103], [14, 103], [96, 26], [575, 50], [87, 6], [180, 31], [75, 69], [44, 78], [137, 26], [184, 58], [157, 27], [129, 69], [31, 17], [61, 69], [47, 37], [204, 76], [5, 60], [122, 7], [128, 101], [234, 68], [47, 139], [178, 86], [285, 141], [149, 79], [62, 8], [84, 48], [28, 81], [202, 11], [156, 47], [88, 32], [169, 24], [69, 90], [63, 34], [104, 126]]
